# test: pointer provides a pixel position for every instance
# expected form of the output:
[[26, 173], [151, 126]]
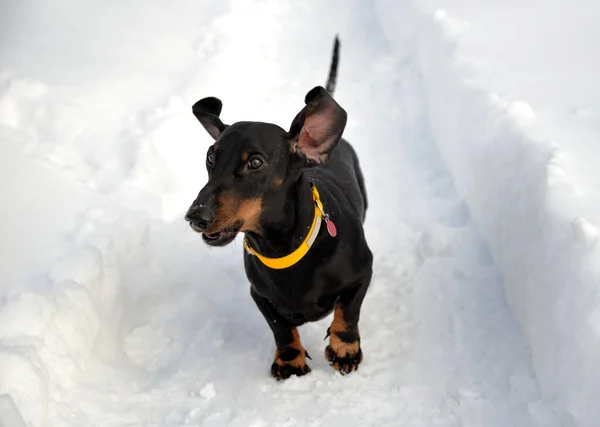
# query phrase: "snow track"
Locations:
[[129, 319]]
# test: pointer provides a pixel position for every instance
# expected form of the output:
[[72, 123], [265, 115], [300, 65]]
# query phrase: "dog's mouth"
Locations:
[[223, 237]]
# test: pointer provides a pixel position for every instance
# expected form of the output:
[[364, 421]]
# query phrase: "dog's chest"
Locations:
[[303, 310], [299, 299]]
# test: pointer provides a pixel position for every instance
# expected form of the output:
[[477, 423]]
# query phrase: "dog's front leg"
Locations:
[[344, 352], [290, 356]]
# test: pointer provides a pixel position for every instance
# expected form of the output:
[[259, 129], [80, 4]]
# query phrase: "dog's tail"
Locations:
[[335, 58]]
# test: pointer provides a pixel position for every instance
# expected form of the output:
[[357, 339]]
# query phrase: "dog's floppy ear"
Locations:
[[317, 129], [207, 111]]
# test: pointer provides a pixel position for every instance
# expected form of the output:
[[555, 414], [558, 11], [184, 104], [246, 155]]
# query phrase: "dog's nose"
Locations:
[[200, 217]]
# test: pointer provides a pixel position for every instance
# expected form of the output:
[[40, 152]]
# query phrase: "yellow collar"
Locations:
[[298, 254]]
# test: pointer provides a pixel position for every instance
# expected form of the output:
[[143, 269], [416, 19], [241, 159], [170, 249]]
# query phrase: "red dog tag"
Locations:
[[331, 228]]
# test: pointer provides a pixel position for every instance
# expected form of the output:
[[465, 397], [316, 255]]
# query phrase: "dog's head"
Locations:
[[249, 160]]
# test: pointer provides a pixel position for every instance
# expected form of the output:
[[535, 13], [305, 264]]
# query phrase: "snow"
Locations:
[[527, 177], [476, 146]]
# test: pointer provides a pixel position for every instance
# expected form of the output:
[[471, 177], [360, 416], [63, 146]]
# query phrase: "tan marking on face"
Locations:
[[245, 156], [216, 147], [338, 324], [278, 181], [249, 212], [227, 208], [300, 360], [232, 210]]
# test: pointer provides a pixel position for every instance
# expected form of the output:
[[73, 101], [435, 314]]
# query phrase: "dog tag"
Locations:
[[331, 229]]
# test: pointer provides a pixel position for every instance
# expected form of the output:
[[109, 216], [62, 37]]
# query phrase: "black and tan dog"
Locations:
[[301, 205]]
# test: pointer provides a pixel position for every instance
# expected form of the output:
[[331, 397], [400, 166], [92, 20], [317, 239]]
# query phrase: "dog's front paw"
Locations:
[[344, 361], [289, 362], [343, 352]]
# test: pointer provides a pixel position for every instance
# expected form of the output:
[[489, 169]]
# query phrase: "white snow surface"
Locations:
[[476, 144]]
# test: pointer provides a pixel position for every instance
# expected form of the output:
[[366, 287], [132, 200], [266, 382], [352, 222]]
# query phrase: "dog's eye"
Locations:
[[210, 158], [254, 163]]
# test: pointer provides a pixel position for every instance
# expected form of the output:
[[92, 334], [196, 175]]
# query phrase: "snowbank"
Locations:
[[539, 222]]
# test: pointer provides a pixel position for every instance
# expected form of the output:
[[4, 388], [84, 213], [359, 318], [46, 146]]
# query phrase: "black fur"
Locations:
[[348, 337], [335, 59]]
